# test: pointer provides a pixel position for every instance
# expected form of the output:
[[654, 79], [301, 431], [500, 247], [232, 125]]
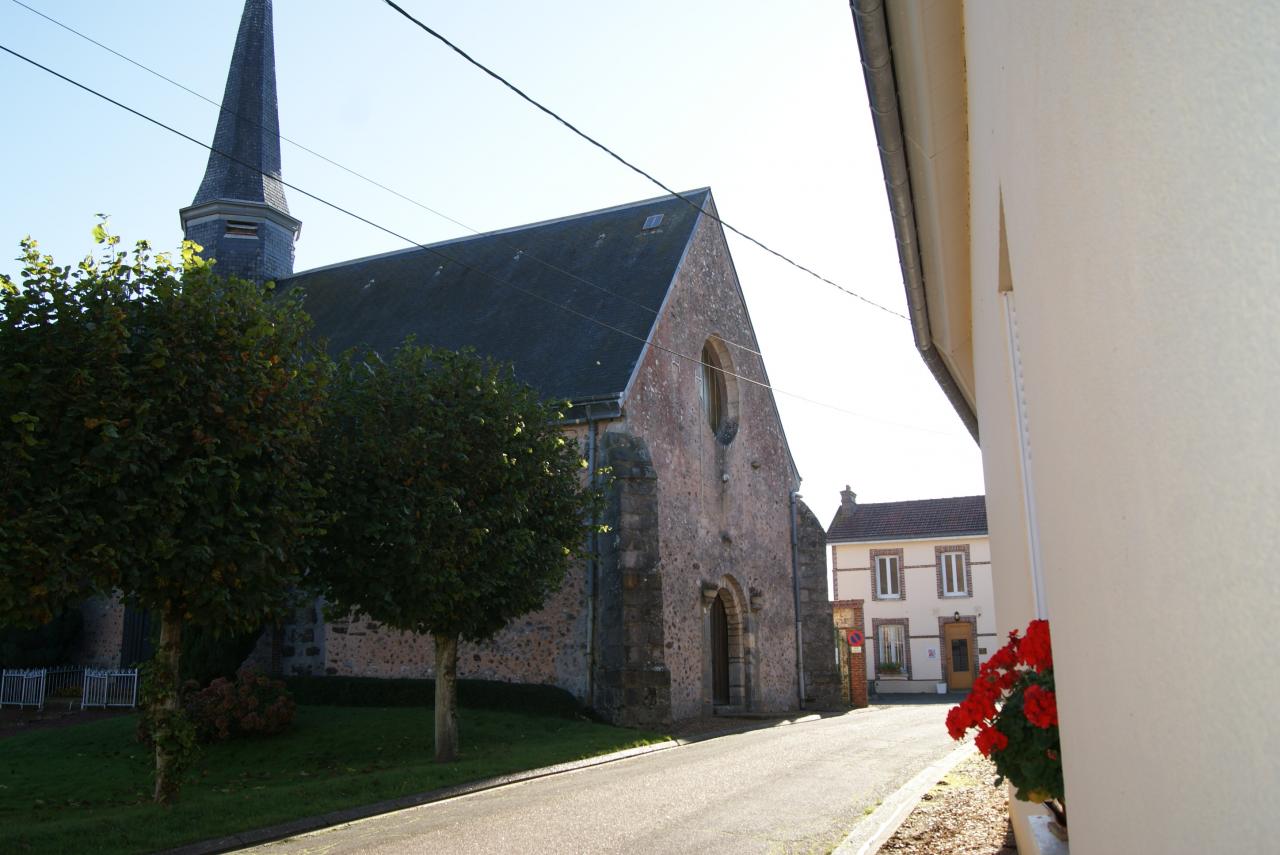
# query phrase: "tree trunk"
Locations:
[[166, 676], [446, 698]]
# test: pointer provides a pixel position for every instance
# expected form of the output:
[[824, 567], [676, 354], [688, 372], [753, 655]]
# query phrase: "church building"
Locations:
[[709, 590]]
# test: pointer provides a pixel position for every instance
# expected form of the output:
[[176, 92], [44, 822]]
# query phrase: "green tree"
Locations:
[[457, 504], [158, 422]]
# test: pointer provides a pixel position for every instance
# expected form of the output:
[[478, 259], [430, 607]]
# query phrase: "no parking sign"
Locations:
[[855, 639]]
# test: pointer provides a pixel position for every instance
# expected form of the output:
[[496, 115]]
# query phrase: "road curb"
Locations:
[[258, 836], [871, 833]]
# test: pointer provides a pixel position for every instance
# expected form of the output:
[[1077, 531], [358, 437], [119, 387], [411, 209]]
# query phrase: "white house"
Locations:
[[921, 573], [1086, 202]]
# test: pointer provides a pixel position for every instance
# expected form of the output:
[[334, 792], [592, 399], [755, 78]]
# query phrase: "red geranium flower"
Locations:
[[1012, 705], [1040, 707], [958, 722], [1036, 650], [989, 739]]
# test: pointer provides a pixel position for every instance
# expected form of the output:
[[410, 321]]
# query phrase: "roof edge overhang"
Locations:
[[866, 541], [877, 51], [221, 209], [587, 411]]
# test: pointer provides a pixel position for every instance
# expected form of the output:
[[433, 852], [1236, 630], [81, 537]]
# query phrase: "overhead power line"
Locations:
[[636, 169], [437, 252], [372, 181]]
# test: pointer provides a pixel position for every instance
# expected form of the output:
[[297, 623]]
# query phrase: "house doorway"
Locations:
[[719, 653], [958, 642]]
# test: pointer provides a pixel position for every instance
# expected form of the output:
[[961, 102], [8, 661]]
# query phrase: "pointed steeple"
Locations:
[[240, 215]]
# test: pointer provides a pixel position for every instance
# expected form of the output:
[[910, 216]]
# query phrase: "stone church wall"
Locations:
[[822, 680], [99, 645], [633, 684], [547, 646], [723, 507]]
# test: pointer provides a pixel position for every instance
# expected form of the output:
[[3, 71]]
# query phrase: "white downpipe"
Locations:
[[1024, 449]]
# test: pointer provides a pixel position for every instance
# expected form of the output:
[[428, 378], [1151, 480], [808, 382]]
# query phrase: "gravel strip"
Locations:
[[964, 814]]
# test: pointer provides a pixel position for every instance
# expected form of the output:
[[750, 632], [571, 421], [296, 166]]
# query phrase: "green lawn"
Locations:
[[86, 788]]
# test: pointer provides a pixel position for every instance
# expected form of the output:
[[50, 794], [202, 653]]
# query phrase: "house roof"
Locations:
[[953, 517], [569, 302], [919, 112]]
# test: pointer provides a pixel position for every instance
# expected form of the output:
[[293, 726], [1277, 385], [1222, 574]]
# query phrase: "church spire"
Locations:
[[240, 215]]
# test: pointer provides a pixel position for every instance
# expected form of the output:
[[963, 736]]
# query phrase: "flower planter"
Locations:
[[1033, 828]]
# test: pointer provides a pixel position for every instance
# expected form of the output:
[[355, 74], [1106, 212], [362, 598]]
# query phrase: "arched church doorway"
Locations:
[[719, 653]]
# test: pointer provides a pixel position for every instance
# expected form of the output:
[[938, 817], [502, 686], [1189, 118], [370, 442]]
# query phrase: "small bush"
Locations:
[[472, 694], [252, 705]]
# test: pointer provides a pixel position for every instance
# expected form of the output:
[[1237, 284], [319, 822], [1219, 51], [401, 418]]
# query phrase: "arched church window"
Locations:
[[718, 391]]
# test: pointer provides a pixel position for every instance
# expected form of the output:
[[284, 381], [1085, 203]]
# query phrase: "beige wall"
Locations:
[[1135, 149], [851, 570]]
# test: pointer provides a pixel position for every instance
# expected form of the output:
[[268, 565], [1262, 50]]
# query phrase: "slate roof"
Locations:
[[519, 295], [953, 517], [249, 122]]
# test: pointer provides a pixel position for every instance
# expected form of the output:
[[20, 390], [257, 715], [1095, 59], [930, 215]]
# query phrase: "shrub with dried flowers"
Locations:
[[251, 705], [1015, 712]]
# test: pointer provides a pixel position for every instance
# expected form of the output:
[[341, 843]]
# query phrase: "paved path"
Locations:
[[797, 789]]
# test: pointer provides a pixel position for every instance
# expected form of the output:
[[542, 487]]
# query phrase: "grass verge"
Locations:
[[87, 787]]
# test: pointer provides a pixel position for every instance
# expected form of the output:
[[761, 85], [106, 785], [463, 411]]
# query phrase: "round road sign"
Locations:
[[854, 637]]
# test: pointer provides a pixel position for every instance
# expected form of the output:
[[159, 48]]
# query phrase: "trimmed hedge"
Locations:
[[473, 694]]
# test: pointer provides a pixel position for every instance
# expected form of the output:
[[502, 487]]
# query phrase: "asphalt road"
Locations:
[[796, 789]]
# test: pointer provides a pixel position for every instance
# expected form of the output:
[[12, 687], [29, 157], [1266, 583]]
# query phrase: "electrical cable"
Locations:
[[613, 154], [434, 251], [374, 182]]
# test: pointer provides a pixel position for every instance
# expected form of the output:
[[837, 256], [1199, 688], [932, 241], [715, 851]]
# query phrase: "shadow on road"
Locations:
[[887, 700]]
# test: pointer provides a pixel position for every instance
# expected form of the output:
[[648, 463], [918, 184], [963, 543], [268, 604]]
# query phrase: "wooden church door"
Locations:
[[719, 653]]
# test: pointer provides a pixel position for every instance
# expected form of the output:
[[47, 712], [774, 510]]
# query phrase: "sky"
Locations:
[[763, 102]]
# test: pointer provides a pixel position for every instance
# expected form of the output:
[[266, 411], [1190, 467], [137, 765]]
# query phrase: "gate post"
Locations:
[[847, 615]]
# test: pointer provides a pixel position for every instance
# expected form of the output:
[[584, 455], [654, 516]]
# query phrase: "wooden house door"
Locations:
[[958, 641]]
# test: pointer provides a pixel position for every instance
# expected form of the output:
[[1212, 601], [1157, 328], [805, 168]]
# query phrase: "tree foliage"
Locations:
[[457, 503], [157, 428], [42, 646]]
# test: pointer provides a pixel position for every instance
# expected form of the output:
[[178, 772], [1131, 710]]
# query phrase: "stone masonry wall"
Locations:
[[633, 684], [821, 668], [99, 645], [547, 646], [723, 509]]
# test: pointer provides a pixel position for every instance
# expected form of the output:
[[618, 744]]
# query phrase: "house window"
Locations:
[[891, 649], [888, 585], [954, 574], [954, 583]]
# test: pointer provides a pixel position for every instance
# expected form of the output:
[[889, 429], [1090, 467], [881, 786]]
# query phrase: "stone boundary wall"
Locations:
[[821, 668]]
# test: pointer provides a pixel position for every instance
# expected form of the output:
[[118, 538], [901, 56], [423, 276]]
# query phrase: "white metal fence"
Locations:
[[110, 688], [91, 687], [22, 688]]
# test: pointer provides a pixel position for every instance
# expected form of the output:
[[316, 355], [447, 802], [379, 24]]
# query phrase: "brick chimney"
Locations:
[[848, 498]]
